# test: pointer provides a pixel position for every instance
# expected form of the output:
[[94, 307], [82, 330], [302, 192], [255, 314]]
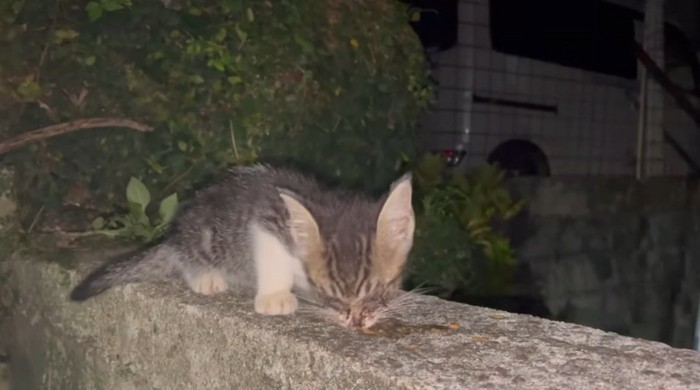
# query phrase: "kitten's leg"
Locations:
[[198, 272], [274, 267], [207, 282]]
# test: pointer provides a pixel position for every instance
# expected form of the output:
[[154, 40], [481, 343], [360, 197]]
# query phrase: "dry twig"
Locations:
[[68, 127]]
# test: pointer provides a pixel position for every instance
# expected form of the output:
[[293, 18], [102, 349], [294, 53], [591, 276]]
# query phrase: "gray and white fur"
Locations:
[[278, 231]]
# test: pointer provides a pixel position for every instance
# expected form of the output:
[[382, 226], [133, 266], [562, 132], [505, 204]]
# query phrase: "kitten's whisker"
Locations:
[[386, 313], [410, 298], [382, 314], [421, 290], [403, 300], [399, 308], [309, 299], [310, 308], [307, 309], [316, 309], [329, 315]]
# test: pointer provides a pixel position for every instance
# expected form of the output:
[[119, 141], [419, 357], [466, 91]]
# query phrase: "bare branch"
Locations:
[[68, 127]]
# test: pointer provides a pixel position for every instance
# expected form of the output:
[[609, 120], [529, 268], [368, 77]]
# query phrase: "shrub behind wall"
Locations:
[[337, 86]]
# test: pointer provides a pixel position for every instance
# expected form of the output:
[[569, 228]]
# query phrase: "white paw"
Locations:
[[209, 283], [278, 303]]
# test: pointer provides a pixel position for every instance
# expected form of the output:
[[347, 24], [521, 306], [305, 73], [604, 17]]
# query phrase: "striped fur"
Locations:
[[276, 231]]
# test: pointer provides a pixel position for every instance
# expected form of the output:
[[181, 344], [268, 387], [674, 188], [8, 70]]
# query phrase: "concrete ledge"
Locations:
[[164, 337]]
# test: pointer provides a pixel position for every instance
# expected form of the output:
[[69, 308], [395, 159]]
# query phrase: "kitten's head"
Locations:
[[354, 255]]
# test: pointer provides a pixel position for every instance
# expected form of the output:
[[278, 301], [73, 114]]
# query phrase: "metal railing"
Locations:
[[680, 98]]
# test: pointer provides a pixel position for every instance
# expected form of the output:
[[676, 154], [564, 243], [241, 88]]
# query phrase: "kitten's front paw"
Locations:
[[208, 283], [279, 303]]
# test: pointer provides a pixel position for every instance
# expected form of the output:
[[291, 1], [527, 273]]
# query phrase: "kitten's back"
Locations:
[[215, 228], [219, 219]]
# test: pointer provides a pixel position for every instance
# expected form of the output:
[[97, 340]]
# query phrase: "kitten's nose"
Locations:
[[358, 319]]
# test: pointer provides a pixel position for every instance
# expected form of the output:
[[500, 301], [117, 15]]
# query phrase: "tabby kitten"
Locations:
[[276, 230]]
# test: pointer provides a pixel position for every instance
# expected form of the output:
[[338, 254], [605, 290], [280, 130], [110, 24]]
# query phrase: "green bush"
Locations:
[[336, 86], [457, 247], [137, 224]]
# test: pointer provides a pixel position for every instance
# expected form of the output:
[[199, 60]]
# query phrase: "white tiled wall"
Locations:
[[594, 131]]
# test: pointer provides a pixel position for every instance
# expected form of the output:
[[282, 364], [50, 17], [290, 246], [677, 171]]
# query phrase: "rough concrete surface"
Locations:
[[165, 337]]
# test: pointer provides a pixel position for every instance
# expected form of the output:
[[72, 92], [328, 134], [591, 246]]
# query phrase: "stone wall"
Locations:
[[613, 253], [166, 337]]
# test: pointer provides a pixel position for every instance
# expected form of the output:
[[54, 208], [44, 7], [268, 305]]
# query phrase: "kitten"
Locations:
[[275, 230]]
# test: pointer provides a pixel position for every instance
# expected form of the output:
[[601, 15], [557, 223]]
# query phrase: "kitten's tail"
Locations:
[[149, 265]]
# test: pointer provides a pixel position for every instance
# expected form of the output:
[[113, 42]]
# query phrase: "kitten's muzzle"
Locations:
[[359, 318]]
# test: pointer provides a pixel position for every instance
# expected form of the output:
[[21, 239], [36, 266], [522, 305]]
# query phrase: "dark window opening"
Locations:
[[585, 34]]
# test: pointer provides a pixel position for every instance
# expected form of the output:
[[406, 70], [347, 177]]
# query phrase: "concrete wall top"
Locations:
[[165, 337]]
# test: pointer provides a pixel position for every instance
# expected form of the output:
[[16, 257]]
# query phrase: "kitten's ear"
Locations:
[[303, 227], [395, 228], [396, 220]]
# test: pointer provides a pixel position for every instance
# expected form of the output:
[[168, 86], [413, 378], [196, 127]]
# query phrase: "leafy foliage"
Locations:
[[136, 224], [456, 244], [336, 86]]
